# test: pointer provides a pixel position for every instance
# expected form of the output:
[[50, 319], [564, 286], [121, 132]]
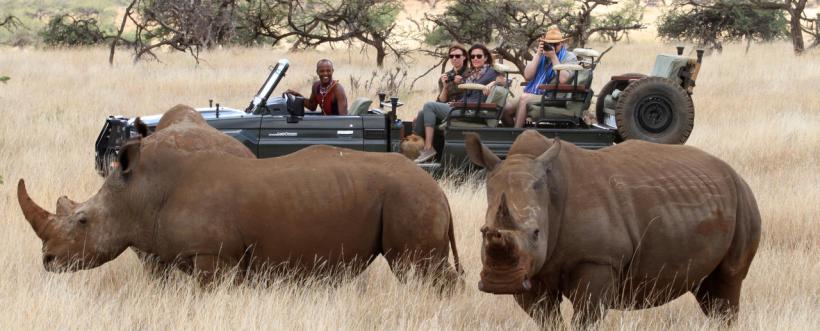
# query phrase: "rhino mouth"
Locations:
[[506, 280], [53, 263]]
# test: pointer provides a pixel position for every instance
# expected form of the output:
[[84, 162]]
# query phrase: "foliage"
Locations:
[[4, 79], [315, 22], [515, 26], [68, 30], [34, 16], [724, 21]]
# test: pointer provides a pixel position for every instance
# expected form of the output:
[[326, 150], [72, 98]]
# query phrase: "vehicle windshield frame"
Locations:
[[275, 76]]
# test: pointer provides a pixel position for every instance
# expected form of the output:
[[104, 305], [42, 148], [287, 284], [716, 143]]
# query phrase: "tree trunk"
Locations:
[[380, 54], [794, 25]]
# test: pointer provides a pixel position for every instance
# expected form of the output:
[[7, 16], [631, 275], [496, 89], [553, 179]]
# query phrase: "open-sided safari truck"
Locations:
[[656, 107]]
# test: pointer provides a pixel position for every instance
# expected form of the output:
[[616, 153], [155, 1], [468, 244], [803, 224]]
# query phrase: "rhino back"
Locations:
[[658, 211], [321, 201]]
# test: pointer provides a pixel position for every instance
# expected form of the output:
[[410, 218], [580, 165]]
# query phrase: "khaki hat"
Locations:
[[553, 35]]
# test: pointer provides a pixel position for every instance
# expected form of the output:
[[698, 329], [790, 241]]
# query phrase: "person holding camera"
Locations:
[[432, 113], [448, 82], [551, 50]]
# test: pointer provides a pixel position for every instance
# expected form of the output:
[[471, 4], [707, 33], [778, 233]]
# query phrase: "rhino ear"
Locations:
[[479, 153], [128, 157], [545, 159], [142, 129]]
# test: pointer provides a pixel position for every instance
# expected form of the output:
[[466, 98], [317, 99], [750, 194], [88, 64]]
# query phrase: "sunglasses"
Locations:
[[455, 56], [477, 56]]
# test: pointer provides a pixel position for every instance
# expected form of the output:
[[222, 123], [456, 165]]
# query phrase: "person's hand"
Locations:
[[289, 91], [540, 49], [489, 87], [443, 78], [458, 79], [550, 54]]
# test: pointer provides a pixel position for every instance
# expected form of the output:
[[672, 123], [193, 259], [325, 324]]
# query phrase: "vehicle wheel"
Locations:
[[610, 86], [655, 109]]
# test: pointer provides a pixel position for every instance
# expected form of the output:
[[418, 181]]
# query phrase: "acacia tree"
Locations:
[[184, 25], [722, 21], [315, 22], [515, 26], [798, 20]]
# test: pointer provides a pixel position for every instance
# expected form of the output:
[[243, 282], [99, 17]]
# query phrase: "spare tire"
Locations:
[[610, 86], [655, 109]]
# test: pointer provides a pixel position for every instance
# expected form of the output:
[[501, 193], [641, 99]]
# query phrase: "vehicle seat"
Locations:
[[360, 106], [564, 102], [486, 114]]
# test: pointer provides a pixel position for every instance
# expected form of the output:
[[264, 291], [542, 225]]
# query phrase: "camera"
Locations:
[[451, 76], [548, 47]]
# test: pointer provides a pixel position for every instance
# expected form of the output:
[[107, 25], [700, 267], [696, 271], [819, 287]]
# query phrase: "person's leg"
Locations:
[[509, 111], [418, 124], [429, 132], [521, 113], [432, 113]]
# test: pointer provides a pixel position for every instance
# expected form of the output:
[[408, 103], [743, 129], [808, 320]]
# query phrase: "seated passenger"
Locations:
[[481, 72], [448, 89], [539, 71], [326, 93]]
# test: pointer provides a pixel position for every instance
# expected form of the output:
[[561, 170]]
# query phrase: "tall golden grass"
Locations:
[[760, 112]]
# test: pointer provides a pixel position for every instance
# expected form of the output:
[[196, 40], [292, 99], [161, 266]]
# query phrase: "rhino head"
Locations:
[[515, 235], [82, 235]]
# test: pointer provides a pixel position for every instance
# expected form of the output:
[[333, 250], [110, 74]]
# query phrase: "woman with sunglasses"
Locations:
[[551, 50], [448, 82], [433, 113]]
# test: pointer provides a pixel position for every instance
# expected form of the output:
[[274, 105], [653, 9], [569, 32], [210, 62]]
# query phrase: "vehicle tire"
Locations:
[[655, 109], [610, 86]]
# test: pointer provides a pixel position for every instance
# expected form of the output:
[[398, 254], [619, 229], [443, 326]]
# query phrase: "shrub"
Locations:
[[67, 30]]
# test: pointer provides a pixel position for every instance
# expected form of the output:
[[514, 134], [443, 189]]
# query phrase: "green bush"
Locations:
[[712, 24], [66, 30]]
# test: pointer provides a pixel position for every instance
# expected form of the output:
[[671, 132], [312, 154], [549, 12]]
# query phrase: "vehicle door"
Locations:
[[281, 134]]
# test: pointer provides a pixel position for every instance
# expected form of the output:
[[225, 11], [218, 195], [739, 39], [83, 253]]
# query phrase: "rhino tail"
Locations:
[[452, 234]]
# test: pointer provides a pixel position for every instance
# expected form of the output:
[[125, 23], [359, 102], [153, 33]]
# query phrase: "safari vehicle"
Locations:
[[656, 107], [277, 125], [274, 125]]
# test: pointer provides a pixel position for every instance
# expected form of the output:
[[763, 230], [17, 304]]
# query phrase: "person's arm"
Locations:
[[565, 76], [443, 89], [532, 66], [310, 103], [341, 100]]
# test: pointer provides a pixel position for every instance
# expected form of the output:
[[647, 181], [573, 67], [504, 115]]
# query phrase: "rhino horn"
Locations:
[[65, 206], [36, 215]]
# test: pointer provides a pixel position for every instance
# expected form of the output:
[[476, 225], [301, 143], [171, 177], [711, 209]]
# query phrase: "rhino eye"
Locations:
[[535, 234], [83, 221]]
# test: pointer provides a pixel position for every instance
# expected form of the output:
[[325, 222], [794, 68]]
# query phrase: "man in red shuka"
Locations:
[[326, 93]]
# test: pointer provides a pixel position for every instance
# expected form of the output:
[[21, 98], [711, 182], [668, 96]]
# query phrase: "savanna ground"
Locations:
[[760, 112]]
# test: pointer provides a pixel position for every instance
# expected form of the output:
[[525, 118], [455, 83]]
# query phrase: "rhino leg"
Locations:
[[152, 264], [415, 236], [719, 295], [211, 268], [591, 287], [543, 305]]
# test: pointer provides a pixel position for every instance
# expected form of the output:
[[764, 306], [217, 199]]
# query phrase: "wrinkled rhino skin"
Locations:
[[207, 210], [630, 226]]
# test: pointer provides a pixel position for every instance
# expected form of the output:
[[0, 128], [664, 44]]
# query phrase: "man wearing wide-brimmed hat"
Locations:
[[551, 50]]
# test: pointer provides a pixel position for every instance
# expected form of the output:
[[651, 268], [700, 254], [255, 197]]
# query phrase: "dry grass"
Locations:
[[760, 112]]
